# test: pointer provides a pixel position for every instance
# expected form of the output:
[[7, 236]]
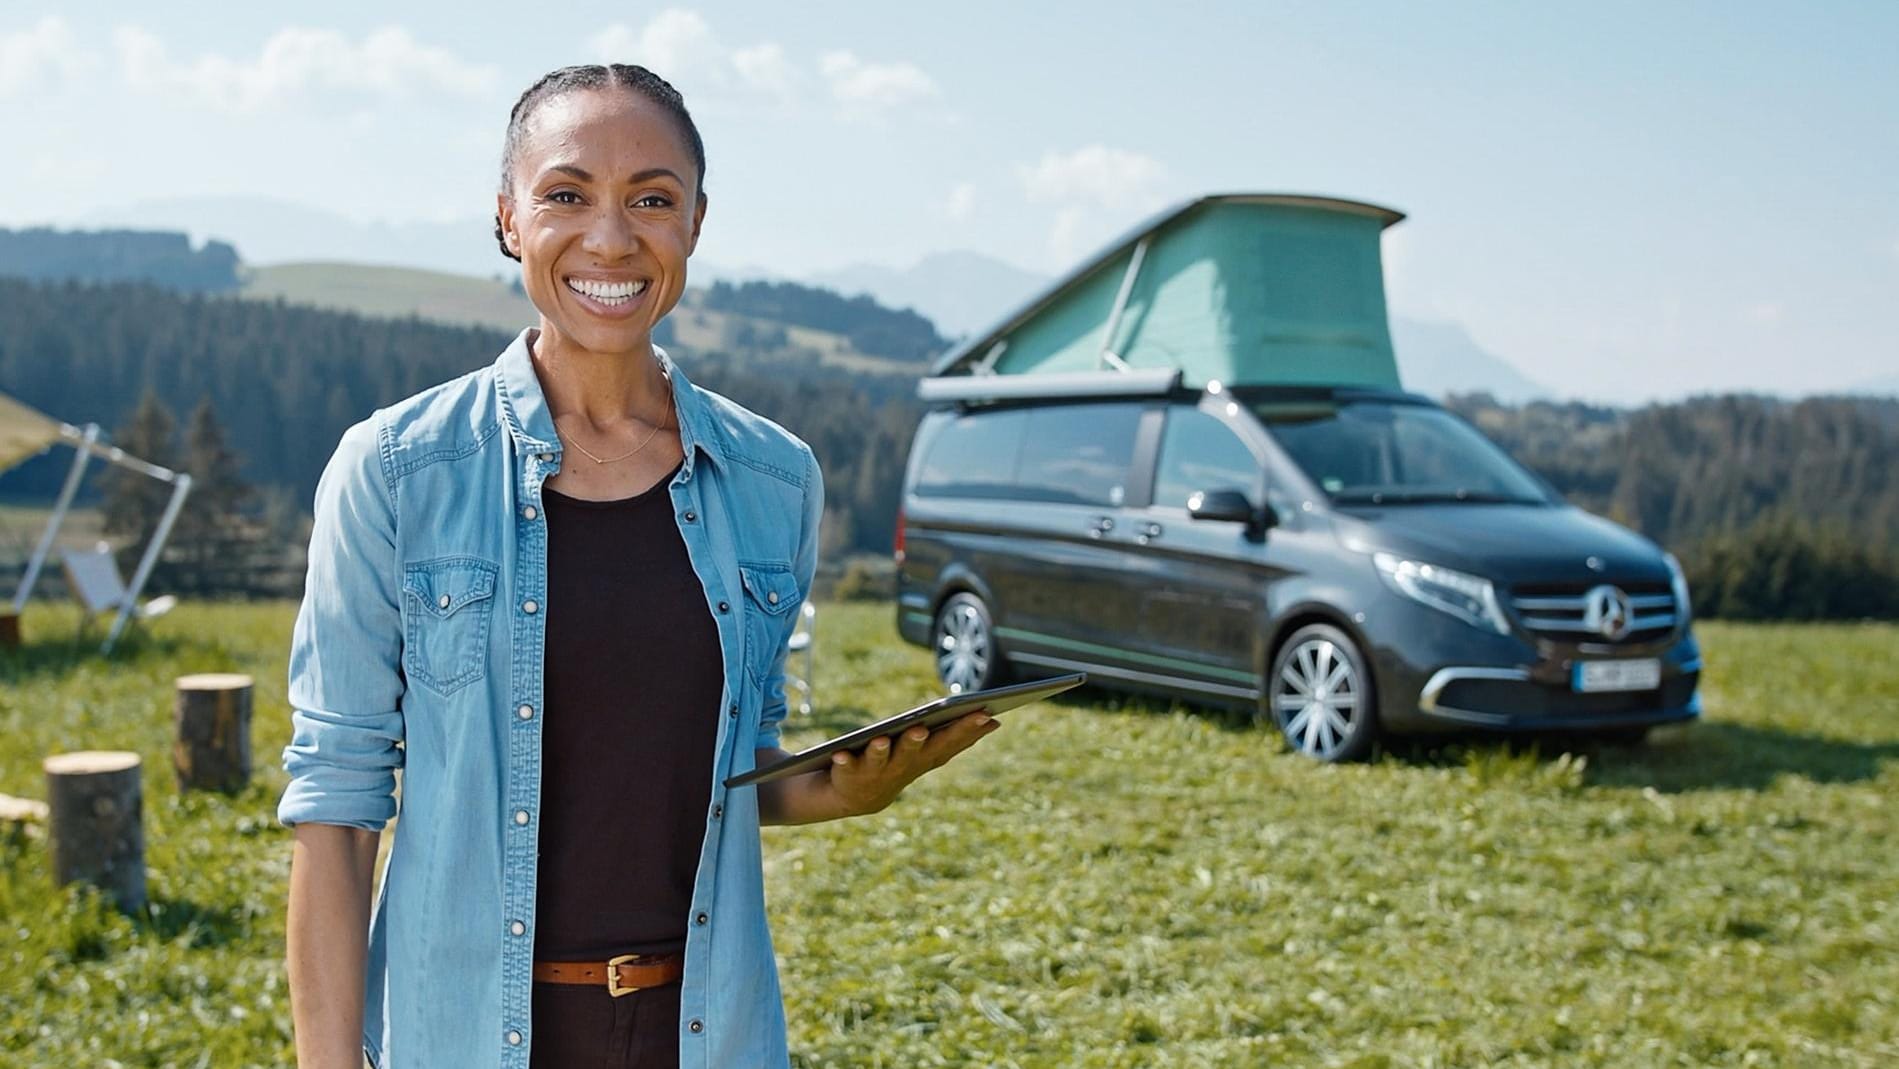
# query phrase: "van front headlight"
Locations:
[[1678, 583], [1470, 598]]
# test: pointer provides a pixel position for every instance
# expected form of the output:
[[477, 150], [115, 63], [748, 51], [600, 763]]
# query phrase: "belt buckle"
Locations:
[[613, 975]]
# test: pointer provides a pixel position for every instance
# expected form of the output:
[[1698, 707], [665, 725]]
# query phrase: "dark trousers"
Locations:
[[583, 1027]]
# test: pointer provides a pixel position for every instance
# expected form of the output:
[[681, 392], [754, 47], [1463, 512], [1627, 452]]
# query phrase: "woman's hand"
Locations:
[[855, 784], [867, 783]]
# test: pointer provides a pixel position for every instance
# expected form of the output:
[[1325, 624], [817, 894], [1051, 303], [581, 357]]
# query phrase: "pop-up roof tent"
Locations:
[[1247, 288], [25, 432]]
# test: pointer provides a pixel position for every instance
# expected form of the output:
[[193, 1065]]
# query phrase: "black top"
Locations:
[[633, 677]]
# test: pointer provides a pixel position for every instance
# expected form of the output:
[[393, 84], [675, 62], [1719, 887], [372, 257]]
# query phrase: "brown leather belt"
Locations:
[[622, 975]]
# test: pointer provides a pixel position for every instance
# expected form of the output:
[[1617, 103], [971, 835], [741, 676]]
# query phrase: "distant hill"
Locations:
[[162, 257], [1440, 359], [268, 230], [444, 297], [961, 292]]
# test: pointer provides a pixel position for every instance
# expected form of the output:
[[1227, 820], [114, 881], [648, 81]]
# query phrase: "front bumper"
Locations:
[[1439, 675]]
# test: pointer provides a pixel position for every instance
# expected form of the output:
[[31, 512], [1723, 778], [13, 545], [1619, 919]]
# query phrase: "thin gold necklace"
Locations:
[[649, 435]]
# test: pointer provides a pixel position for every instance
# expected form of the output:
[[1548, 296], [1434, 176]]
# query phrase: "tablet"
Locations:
[[941, 711]]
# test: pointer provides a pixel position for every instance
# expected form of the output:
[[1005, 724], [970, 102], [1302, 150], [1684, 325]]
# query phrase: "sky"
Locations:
[[1627, 201]]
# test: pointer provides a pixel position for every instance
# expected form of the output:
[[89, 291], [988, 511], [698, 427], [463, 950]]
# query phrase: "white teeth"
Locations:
[[607, 292]]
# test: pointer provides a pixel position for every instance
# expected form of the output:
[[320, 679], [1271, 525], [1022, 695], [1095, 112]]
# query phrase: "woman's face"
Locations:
[[604, 211]]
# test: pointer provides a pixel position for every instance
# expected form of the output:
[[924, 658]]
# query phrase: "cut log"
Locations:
[[212, 717], [10, 630], [96, 803]]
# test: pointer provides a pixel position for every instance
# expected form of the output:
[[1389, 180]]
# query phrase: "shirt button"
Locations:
[[733, 711], [691, 515], [696, 1025], [772, 596], [723, 607], [528, 513], [700, 918], [526, 712], [442, 601], [517, 928], [514, 1038], [529, 606], [545, 457], [717, 811], [520, 816]]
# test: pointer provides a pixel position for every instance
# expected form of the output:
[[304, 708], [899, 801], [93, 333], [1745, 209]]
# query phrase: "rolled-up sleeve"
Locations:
[[803, 568], [345, 650]]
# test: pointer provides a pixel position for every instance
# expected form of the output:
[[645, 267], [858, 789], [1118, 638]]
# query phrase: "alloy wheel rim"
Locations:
[[962, 648], [1316, 698]]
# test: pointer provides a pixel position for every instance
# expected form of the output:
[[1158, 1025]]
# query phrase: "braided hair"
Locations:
[[629, 76]]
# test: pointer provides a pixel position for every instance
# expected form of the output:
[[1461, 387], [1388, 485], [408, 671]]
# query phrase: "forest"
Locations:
[[1778, 508]]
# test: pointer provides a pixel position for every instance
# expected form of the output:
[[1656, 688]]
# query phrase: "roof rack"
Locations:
[[977, 389]]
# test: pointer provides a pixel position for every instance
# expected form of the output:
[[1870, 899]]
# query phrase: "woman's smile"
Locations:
[[610, 299]]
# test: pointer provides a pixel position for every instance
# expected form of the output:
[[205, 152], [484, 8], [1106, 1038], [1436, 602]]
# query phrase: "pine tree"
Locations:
[[212, 535], [134, 501]]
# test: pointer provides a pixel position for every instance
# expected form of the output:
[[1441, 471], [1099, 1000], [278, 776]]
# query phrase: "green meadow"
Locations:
[[1115, 882]]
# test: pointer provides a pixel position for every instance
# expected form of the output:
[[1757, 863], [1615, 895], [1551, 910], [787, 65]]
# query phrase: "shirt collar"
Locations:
[[524, 405]]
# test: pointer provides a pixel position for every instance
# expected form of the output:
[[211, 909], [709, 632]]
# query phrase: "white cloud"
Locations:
[[1097, 191], [869, 87], [961, 203], [680, 46], [1097, 174], [46, 50], [297, 61]]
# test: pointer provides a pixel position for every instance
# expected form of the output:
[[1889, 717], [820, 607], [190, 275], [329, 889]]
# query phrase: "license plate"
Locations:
[[1590, 676]]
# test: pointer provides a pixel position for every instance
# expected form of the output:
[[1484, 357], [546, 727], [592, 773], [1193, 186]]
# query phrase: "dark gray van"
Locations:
[[1339, 559]]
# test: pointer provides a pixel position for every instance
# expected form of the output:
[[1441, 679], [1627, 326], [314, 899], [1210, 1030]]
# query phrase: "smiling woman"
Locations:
[[566, 658]]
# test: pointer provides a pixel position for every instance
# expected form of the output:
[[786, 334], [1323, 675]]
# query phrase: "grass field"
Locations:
[[1120, 883]]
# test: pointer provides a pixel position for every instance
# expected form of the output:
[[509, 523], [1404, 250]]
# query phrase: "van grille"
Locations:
[[1645, 611]]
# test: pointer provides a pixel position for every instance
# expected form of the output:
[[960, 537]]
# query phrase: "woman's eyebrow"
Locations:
[[639, 176]]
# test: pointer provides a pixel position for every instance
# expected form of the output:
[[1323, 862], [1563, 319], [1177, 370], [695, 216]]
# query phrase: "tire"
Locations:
[[963, 644], [1320, 695]]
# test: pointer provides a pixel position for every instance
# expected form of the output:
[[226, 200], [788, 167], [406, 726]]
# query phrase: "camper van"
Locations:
[[1189, 469]]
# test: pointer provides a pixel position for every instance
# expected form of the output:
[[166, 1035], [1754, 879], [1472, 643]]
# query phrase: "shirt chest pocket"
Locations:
[[770, 592], [449, 602]]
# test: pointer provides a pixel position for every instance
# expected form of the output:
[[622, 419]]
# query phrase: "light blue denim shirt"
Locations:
[[418, 646]]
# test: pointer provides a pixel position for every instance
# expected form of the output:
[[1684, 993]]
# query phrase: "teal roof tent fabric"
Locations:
[[1239, 288]]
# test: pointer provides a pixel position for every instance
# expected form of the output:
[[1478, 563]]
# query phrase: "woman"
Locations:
[[556, 593]]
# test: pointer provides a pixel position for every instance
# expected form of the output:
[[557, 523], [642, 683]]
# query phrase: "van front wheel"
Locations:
[[963, 640], [1320, 695]]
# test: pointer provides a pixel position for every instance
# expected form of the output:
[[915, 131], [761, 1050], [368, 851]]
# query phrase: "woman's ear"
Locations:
[[698, 217], [504, 219]]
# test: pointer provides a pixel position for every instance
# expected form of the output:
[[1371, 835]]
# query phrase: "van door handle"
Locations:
[[1101, 526], [1150, 530]]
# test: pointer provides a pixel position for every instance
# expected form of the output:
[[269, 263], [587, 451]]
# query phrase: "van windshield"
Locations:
[[1371, 452]]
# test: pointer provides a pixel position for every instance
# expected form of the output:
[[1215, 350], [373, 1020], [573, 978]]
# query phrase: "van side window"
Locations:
[[1078, 454], [973, 455], [1198, 452]]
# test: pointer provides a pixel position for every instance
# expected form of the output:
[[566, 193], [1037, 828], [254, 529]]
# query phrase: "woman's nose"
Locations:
[[610, 233]]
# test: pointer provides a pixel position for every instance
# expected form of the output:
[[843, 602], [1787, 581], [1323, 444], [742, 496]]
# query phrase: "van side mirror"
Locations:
[[1230, 505], [1233, 507]]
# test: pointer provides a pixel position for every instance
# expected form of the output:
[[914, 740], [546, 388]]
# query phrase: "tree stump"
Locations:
[[213, 720], [95, 800], [9, 630]]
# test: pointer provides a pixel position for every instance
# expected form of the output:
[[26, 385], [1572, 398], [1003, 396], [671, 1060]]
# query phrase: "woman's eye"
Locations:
[[559, 193], [655, 200]]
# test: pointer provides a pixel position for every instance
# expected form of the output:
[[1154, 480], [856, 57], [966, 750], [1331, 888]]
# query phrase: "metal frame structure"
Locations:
[[86, 444]]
